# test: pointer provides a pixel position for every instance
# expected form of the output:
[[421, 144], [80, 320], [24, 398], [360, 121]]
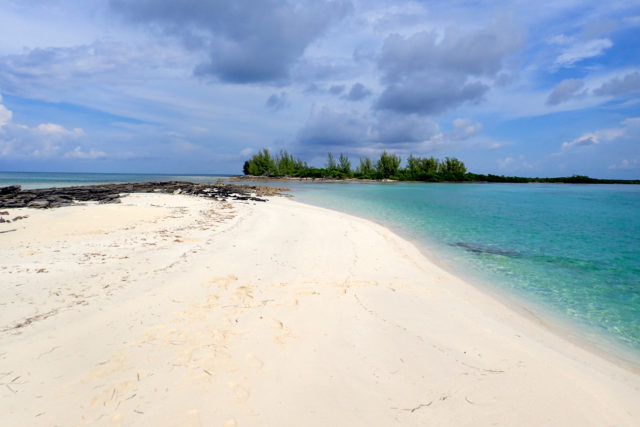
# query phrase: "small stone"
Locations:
[[38, 203]]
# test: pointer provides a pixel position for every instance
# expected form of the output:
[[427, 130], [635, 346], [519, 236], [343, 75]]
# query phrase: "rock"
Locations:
[[38, 203], [13, 197], [12, 189], [4, 212]]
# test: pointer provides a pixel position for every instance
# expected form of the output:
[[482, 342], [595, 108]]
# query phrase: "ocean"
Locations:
[[568, 253]]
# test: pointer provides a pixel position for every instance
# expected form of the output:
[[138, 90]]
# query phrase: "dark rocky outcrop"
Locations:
[[12, 189], [14, 197]]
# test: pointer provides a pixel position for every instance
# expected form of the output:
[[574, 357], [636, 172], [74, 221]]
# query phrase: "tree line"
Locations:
[[388, 166]]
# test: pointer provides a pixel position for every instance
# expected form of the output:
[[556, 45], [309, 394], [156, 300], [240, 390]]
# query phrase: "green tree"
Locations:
[[287, 165], [344, 165], [260, 164], [421, 168], [388, 165], [331, 162], [452, 169], [365, 170]]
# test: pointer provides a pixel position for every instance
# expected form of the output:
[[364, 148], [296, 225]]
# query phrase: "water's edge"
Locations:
[[569, 331], [586, 292]]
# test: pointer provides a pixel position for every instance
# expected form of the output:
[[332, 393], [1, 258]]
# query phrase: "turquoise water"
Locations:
[[572, 251]]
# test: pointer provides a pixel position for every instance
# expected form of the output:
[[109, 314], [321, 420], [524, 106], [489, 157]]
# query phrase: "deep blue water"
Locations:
[[571, 251], [60, 179]]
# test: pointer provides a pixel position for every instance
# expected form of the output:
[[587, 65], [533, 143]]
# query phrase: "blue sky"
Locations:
[[509, 87]]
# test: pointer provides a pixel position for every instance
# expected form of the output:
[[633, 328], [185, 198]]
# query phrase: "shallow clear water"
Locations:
[[573, 250], [569, 250]]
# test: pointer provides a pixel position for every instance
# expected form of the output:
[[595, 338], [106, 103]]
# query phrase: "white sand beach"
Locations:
[[176, 310]]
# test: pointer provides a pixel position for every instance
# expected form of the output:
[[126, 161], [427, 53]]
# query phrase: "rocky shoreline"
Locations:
[[43, 198]]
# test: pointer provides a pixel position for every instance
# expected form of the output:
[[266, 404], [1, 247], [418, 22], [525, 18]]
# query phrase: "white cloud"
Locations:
[[560, 40], [76, 65], [5, 115], [246, 151], [42, 141], [513, 164], [506, 162], [582, 141], [583, 50], [464, 128], [57, 131], [633, 122], [46, 140], [630, 126], [77, 153], [626, 164]]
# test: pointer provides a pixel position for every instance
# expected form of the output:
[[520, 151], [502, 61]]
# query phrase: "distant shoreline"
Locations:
[[506, 180], [389, 167]]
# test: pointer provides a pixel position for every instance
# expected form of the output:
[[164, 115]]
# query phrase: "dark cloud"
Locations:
[[428, 73], [325, 70], [330, 128], [365, 52], [358, 92], [336, 89], [620, 86], [277, 101], [429, 96], [246, 41], [312, 88], [505, 79], [393, 128], [564, 91]]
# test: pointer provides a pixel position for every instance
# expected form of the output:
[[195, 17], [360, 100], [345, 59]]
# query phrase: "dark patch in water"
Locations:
[[478, 249]]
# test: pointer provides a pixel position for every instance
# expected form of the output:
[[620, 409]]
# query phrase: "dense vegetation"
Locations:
[[388, 166]]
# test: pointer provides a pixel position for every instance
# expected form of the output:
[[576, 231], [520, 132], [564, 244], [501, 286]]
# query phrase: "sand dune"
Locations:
[[174, 310]]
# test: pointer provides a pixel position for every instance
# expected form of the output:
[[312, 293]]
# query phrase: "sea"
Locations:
[[569, 254]]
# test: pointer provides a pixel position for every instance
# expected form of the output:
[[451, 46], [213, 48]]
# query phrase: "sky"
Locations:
[[198, 86]]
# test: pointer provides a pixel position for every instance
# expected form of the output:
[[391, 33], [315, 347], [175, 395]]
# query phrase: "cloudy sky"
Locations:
[[196, 86]]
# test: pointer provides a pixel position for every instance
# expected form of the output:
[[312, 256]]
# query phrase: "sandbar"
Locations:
[[178, 310]]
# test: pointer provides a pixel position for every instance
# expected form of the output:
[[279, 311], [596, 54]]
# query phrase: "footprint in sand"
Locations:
[[212, 301], [254, 362], [276, 324], [222, 282], [240, 393]]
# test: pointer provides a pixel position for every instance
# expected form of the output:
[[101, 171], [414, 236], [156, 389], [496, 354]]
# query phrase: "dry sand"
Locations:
[[174, 310]]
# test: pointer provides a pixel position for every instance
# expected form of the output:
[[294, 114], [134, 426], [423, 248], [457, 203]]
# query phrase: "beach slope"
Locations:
[[176, 310]]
